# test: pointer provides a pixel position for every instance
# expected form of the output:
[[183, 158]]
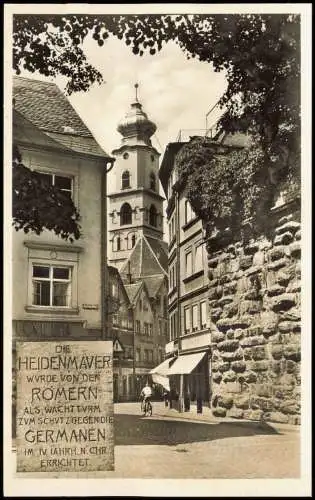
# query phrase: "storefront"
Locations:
[[190, 381], [187, 380]]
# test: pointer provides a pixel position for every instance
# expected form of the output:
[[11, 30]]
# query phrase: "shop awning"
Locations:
[[159, 374], [163, 368], [185, 364], [163, 380]]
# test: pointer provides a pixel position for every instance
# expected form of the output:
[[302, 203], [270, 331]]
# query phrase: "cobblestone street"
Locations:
[[172, 445], [193, 446]]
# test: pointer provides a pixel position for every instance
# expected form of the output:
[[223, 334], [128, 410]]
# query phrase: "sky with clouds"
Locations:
[[175, 92]]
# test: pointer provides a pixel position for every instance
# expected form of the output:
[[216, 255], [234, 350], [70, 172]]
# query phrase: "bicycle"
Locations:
[[147, 408]]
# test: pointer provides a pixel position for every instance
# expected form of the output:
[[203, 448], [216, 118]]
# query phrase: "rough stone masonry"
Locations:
[[254, 297]]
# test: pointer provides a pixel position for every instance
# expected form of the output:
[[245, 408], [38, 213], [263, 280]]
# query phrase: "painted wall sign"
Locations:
[[64, 406], [90, 306]]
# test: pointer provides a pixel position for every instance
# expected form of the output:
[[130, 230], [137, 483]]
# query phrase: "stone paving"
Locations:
[[199, 446], [191, 445]]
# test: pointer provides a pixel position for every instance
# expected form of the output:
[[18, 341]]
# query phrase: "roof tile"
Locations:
[[44, 104]]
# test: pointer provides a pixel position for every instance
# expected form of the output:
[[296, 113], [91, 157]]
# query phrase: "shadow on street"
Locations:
[[136, 430]]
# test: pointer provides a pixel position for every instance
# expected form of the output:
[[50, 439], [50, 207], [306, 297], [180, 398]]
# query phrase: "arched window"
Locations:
[[153, 216], [116, 243], [125, 214], [152, 181], [125, 180], [131, 240]]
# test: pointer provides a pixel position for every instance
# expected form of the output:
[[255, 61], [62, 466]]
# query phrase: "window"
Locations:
[[160, 327], [131, 240], [137, 326], [153, 216], [173, 326], [172, 228], [124, 322], [130, 320], [146, 328], [150, 355], [146, 355], [150, 329], [189, 213], [125, 214], [187, 319], [164, 306], [203, 314], [51, 286], [172, 276], [195, 317], [115, 319], [125, 180], [116, 243], [198, 258], [152, 181], [114, 289], [165, 329], [152, 158], [188, 264], [138, 354], [125, 156], [62, 182], [140, 305]]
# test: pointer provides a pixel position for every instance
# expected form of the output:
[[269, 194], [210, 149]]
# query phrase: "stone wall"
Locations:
[[254, 297]]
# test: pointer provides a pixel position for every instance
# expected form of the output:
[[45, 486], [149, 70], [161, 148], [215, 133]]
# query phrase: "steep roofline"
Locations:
[[130, 255], [152, 251], [52, 144], [133, 301], [114, 271]]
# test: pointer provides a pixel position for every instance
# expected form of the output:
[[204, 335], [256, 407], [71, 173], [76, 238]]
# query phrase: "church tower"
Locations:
[[135, 204]]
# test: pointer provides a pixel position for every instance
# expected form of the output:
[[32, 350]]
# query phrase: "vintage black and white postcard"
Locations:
[[157, 256]]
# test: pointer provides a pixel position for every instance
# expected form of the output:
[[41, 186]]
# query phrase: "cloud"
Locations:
[[175, 92]]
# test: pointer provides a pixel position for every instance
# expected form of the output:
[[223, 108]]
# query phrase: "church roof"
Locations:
[[44, 104], [153, 284], [160, 250], [148, 258], [132, 290]]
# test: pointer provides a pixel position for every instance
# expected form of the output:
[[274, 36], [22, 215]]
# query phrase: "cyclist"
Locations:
[[146, 395]]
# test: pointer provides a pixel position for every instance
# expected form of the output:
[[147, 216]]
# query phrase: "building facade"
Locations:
[[138, 322], [58, 286], [188, 349]]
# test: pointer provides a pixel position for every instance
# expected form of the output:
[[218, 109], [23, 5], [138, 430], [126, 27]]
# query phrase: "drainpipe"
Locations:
[[105, 335]]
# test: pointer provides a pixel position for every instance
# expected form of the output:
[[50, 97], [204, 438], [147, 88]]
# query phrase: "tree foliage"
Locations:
[[228, 187], [260, 54], [38, 205]]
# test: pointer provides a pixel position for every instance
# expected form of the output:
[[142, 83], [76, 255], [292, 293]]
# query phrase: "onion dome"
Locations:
[[136, 126]]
